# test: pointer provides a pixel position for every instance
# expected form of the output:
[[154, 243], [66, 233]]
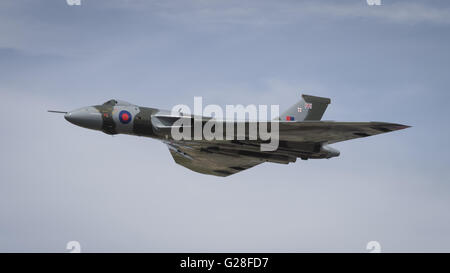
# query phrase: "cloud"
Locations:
[[49, 27], [264, 13], [124, 193], [398, 12]]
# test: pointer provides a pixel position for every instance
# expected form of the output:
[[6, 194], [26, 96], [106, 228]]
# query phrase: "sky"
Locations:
[[61, 183]]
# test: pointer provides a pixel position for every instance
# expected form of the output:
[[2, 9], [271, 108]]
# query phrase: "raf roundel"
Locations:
[[125, 117]]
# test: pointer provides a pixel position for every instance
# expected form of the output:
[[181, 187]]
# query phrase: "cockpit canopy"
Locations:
[[117, 103]]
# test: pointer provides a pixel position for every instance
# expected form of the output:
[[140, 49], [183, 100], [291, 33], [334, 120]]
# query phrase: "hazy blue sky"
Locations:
[[60, 183]]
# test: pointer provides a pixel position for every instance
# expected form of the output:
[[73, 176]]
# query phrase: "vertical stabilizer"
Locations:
[[309, 108]]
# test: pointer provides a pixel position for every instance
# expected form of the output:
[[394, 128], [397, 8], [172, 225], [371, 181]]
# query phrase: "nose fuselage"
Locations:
[[114, 117], [87, 117]]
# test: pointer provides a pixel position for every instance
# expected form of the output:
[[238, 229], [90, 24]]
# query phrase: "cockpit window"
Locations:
[[110, 102], [117, 103]]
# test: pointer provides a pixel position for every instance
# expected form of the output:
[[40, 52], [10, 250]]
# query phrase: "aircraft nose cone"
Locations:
[[87, 117]]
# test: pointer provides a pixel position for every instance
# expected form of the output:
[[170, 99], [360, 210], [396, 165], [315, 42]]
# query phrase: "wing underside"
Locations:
[[297, 139], [199, 159]]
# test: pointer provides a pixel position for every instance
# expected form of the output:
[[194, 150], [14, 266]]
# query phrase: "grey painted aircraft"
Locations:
[[302, 134]]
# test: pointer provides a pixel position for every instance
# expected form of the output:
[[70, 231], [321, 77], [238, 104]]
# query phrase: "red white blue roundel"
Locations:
[[125, 117]]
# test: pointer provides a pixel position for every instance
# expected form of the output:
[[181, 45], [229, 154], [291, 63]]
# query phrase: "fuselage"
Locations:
[[115, 117], [120, 117]]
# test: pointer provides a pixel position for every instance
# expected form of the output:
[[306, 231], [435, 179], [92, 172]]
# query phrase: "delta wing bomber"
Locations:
[[235, 145]]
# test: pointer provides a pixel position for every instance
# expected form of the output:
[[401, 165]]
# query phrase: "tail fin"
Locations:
[[309, 108]]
